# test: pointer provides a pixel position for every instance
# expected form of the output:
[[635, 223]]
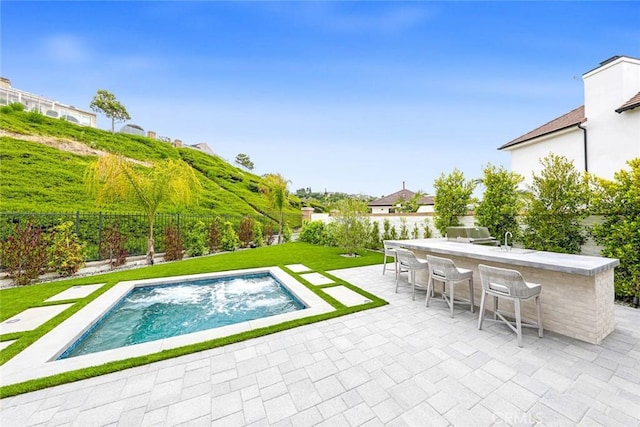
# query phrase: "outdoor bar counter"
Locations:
[[577, 291]]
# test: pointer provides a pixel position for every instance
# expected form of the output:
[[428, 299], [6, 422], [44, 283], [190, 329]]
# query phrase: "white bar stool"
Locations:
[[408, 262], [389, 251], [508, 284], [444, 270]]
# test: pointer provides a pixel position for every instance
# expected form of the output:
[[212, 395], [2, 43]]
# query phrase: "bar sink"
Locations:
[[513, 250]]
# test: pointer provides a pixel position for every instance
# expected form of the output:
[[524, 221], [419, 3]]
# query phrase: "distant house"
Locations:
[[390, 204], [132, 129], [204, 147], [599, 136], [48, 107]]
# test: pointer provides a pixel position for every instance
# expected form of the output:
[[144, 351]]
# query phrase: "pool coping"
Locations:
[[39, 359]]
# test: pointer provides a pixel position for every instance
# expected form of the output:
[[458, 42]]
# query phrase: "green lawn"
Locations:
[[318, 258]]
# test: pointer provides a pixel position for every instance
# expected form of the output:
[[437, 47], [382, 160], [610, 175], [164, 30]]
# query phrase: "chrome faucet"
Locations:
[[506, 244]]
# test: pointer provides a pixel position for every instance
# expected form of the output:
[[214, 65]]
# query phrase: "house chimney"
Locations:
[[306, 213], [403, 185], [151, 134]]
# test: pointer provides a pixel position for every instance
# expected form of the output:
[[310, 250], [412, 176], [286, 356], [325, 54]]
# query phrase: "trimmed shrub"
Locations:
[[215, 235], [245, 233], [427, 230], [229, 241], [196, 239], [315, 232], [386, 226], [66, 252], [174, 244], [258, 237], [24, 253], [374, 240], [268, 233], [415, 232], [404, 231], [112, 246], [286, 233], [12, 108]]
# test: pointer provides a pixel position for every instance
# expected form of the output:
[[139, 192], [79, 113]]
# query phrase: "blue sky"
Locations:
[[354, 97]]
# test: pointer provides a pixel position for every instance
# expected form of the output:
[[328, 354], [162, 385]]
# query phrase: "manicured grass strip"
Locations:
[[315, 257]]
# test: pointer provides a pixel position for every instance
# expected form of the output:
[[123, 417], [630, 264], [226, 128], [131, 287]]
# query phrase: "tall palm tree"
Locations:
[[114, 177], [275, 187]]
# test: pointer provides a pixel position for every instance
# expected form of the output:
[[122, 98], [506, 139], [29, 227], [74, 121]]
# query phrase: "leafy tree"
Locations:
[[501, 202], [410, 205], [559, 201], [166, 182], [619, 234], [352, 228], [106, 103], [453, 195], [275, 187], [244, 161]]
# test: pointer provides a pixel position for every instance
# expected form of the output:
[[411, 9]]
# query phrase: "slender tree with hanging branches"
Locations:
[[167, 182], [275, 187]]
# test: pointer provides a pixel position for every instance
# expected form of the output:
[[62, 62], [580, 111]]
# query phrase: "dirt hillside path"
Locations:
[[64, 144]]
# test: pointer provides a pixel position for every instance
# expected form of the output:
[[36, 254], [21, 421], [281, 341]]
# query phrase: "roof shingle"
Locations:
[[630, 104], [572, 118], [404, 194]]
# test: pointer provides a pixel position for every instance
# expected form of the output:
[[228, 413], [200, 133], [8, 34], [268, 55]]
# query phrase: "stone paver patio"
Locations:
[[401, 364]]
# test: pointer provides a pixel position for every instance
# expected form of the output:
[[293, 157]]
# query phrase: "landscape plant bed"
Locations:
[[318, 258]]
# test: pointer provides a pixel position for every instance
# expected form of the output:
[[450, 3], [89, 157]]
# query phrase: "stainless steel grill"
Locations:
[[474, 235]]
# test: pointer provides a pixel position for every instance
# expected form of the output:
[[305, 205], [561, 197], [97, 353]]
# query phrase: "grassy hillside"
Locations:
[[35, 177]]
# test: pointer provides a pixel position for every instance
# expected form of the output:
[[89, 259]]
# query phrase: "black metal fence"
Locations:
[[90, 226]]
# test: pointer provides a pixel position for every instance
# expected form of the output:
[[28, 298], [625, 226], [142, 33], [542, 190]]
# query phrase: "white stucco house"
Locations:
[[599, 136], [48, 107]]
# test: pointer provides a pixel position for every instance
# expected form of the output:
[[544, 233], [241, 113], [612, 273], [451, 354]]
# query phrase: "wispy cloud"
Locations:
[[345, 18], [66, 48], [388, 20]]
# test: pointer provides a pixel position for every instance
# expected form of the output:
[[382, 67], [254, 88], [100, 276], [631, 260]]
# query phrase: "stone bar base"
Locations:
[[574, 305]]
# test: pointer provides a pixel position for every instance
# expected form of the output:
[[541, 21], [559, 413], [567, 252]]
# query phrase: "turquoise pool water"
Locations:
[[167, 310]]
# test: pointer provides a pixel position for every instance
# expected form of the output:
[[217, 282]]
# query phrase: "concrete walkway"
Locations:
[[401, 364]]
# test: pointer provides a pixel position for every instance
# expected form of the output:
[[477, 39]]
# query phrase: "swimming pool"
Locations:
[[41, 359], [166, 310]]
